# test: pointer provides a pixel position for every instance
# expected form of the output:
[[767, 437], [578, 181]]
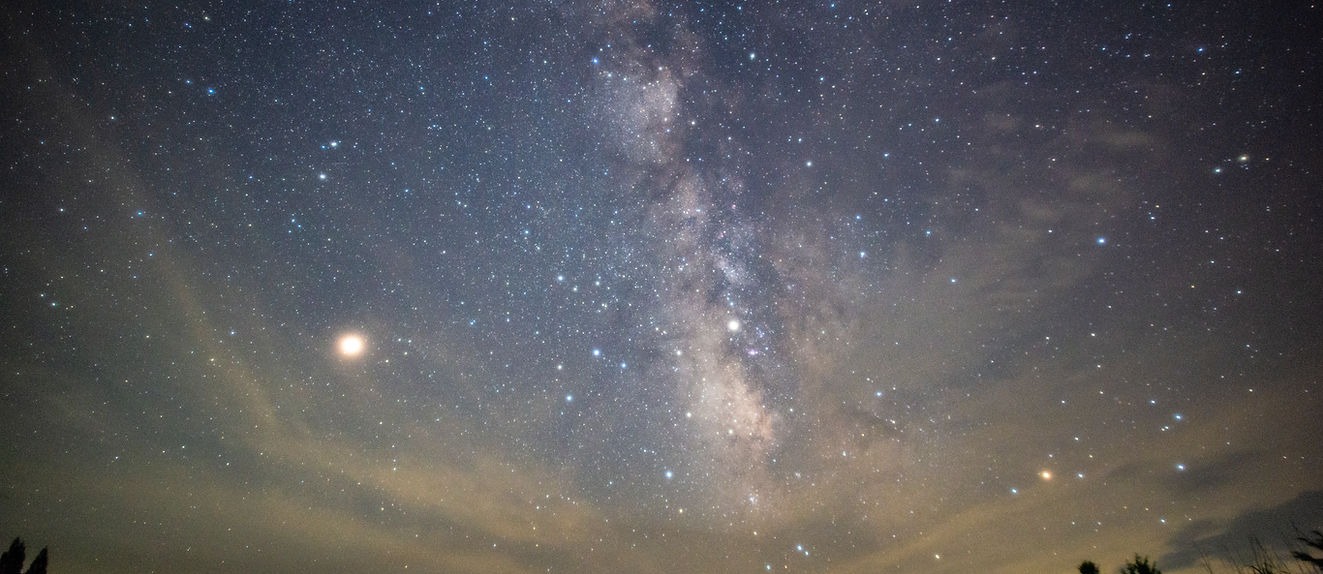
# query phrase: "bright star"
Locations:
[[351, 345]]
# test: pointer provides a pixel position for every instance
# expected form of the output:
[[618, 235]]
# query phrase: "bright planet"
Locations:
[[351, 345]]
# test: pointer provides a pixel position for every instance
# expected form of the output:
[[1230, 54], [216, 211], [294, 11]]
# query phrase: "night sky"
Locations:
[[637, 286]]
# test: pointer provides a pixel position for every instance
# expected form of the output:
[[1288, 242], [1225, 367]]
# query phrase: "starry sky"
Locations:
[[646, 286]]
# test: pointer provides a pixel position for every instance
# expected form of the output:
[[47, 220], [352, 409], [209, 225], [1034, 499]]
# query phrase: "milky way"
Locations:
[[659, 287]]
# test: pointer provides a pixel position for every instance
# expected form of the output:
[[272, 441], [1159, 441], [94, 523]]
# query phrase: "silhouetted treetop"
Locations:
[[1315, 543], [1140, 565], [38, 565], [11, 562]]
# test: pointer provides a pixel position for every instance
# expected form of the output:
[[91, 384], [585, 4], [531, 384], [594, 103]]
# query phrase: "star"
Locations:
[[351, 345]]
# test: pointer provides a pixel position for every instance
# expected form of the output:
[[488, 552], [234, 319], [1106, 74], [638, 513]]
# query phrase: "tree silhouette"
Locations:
[[11, 562], [1088, 567], [38, 565], [1265, 561], [1140, 565], [1315, 543]]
